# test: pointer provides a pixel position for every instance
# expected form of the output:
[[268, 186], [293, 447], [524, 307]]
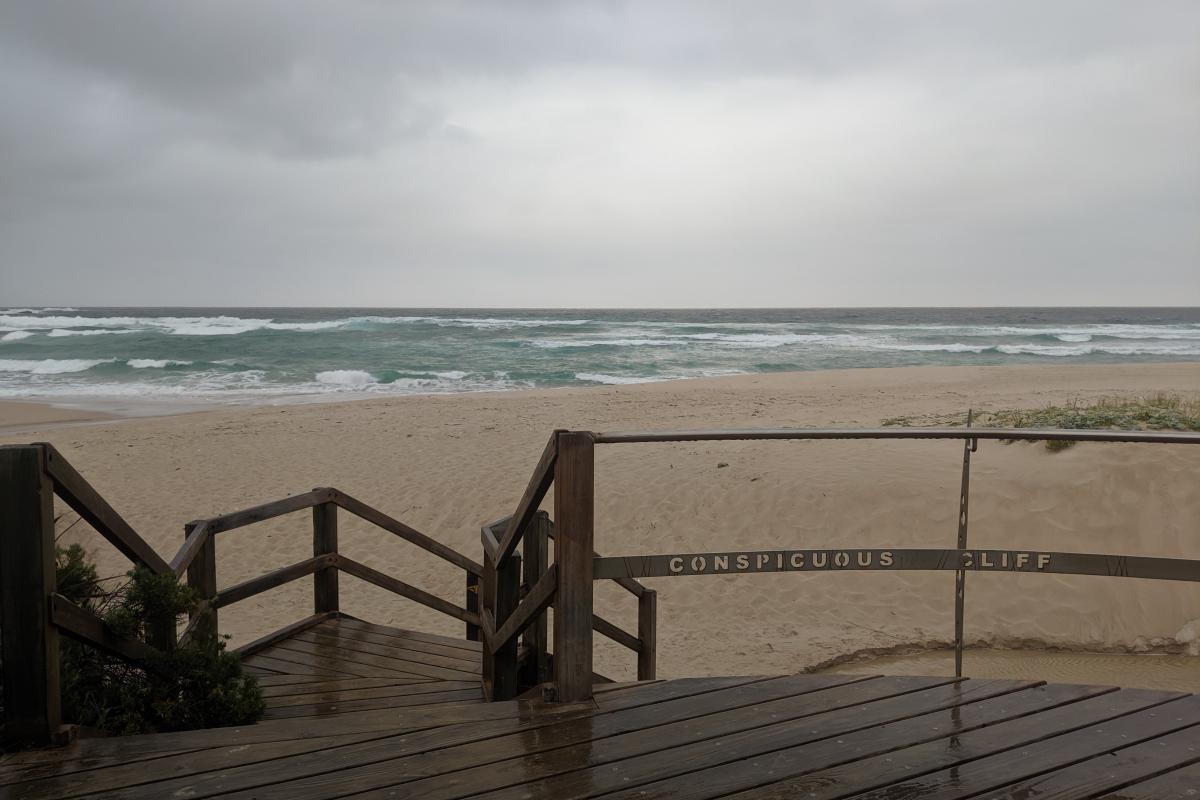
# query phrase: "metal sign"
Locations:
[[745, 562]]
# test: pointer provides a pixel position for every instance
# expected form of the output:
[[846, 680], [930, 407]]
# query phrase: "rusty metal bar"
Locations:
[[1015, 434], [960, 577]]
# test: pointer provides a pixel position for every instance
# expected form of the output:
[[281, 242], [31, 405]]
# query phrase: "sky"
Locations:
[[604, 154]]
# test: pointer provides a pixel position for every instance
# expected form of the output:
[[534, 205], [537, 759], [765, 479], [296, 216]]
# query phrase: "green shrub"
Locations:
[[1153, 412], [195, 685]]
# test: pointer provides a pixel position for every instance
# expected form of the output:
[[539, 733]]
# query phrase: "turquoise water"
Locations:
[[280, 354]]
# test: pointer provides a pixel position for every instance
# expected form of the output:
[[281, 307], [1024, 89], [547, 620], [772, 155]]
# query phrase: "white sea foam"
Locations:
[[50, 366], [949, 347], [58, 333], [481, 323], [15, 336], [1063, 351], [617, 380], [346, 377], [156, 363]]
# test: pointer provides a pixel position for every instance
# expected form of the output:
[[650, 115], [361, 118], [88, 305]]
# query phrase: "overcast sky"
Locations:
[[600, 154]]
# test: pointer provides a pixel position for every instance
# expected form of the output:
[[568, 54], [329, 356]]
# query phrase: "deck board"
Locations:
[[363, 710]]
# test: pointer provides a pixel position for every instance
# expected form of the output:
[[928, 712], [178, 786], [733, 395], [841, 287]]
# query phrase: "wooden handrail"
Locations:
[[631, 585], [539, 484], [403, 589], [259, 513], [82, 624], [92, 507], [192, 546], [273, 579], [1011, 434], [378, 518], [605, 628], [538, 600]]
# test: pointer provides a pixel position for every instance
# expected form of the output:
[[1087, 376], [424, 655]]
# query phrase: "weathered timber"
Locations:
[[95, 510], [531, 607], [472, 605], [500, 656], [1011, 434], [565, 771], [535, 559], [370, 664], [539, 484], [397, 641], [378, 518], [412, 638], [605, 628], [1062, 709], [403, 589], [574, 500], [1178, 784], [1049, 753], [259, 513], [647, 636], [846, 560], [27, 576], [283, 633], [325, 542], [202, 577], [351, 647], [275, 578], [83, 625], [195, 537], [628, 584]]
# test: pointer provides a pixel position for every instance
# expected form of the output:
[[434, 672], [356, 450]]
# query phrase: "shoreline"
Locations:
[[444, 463], [41, 413]]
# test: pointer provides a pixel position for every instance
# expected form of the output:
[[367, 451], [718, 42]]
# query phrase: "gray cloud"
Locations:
[[772, 153]]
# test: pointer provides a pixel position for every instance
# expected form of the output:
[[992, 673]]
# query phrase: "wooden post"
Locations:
[[536, 669], [508, 597], [574, 502], [473, 582], [32, 701], [487, 606], [325, 542], [202, 576], [648, 635]]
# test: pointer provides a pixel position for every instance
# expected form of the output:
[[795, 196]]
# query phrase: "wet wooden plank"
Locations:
[[1111, 770], [471, 695], [322, 767], [369, 665], [469, 655], [969, 733], [654, 750], [352, 649], [1178, 784], [263, 662], [378, 766], [331, 660], [1054, 753], [351, 623], [283, 691], [373, 693]]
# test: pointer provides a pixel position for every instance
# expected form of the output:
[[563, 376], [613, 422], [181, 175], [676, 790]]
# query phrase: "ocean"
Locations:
[[289, 354]]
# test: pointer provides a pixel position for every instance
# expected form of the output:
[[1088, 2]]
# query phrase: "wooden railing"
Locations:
[[33, 613], [197, 558], [517, 589], [568, 463]]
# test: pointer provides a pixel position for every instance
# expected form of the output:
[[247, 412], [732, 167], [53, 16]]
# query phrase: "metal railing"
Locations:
[[569, 464]]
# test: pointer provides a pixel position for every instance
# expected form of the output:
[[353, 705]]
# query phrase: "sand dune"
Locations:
[[445, 464]]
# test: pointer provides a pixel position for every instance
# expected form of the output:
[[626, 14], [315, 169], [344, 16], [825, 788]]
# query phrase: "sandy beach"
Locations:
[[444, 464]]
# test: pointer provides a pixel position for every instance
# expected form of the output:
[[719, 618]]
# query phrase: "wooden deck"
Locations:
[[363, 710]]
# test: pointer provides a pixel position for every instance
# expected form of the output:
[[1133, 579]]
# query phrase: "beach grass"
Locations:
[[1159, 411]]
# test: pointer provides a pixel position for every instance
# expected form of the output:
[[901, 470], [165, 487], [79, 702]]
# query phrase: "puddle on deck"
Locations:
[[1181, 673]]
